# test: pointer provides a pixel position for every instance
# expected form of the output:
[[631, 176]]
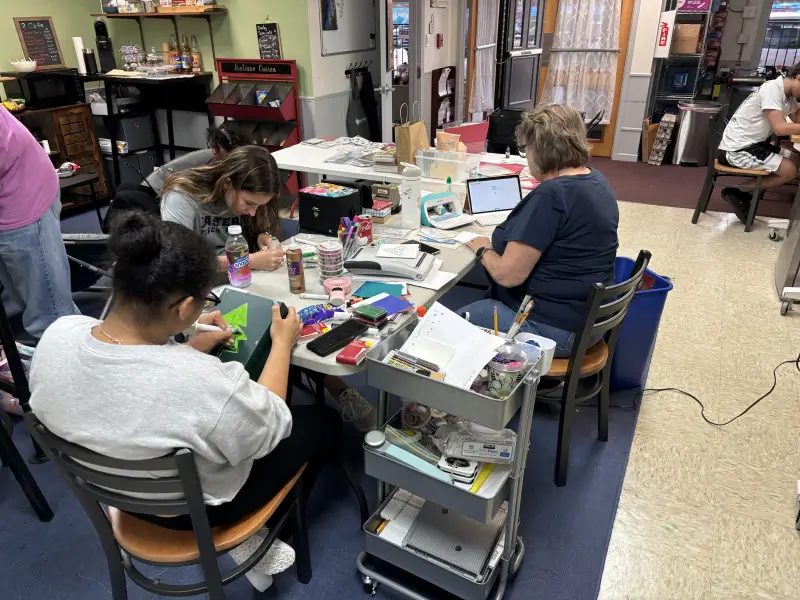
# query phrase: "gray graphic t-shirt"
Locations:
[[209, 220]]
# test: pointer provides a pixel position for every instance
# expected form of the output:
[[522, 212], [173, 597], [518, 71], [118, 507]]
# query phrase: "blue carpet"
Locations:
[[566, 530]]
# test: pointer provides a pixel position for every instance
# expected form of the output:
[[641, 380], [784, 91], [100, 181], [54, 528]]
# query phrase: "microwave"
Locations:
[[46, 89]]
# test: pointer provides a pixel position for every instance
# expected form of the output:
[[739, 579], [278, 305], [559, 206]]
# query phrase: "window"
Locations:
[[782, 40]]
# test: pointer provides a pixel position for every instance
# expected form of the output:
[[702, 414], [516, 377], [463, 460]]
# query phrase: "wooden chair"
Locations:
[[104, 495], [715, 170], [586, 373]]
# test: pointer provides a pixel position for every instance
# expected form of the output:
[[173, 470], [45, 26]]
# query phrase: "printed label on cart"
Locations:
[[475, 449]]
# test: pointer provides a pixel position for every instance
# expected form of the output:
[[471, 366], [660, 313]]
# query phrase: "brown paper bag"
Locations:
[[409, 137]]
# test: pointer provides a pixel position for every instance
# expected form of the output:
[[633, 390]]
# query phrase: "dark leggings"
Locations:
[[314, 440]]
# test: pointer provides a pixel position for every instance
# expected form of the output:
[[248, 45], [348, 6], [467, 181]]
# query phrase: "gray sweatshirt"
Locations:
[[209, 220], [138, 402], [198, 158]]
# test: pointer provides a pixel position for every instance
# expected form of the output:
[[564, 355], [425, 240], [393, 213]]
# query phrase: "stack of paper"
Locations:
[[457, 347]]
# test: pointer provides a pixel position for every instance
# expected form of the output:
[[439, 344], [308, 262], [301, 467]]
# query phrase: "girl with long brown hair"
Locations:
[[241, 189]]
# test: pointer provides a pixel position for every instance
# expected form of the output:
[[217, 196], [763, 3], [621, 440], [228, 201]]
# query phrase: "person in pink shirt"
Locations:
[[34, 270]]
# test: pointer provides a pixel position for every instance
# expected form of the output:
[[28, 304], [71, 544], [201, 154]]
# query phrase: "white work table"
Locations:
[[275, 285], [309, 159]]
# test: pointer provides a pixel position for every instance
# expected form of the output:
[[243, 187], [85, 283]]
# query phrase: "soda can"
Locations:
[[364, 230]]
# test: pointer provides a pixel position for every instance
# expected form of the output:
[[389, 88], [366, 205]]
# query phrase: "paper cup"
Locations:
[[546, 345]]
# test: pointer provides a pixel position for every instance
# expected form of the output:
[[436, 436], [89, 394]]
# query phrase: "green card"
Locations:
[[252, 315]]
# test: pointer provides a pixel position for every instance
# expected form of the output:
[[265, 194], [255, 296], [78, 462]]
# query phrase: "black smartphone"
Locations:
[[337, 338], [424, 247]]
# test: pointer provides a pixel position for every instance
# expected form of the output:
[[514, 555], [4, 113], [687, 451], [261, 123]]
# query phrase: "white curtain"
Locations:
[[585, 80], [482, 96]]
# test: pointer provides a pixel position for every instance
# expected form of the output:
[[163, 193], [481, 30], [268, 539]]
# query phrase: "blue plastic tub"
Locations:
[[637, 339]]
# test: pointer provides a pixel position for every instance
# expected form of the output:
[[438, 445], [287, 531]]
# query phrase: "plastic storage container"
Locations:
[[637, 337], [436, 164]]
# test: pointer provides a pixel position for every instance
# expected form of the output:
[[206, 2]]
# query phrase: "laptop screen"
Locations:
[[494, 194]]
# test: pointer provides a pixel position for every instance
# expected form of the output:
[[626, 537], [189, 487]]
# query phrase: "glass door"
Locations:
[[519, 79]]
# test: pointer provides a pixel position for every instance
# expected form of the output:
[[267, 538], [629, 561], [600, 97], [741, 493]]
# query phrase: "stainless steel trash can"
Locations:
[[691, 145]]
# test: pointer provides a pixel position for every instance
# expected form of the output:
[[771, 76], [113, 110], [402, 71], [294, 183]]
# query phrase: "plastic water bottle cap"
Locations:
[[235, 230], [411, 171]]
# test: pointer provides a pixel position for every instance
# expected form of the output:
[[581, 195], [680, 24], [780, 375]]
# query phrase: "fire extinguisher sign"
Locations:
[[666, 25]]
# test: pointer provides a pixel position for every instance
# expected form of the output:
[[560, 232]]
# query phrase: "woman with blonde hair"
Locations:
[[241, 189], [558, 241]]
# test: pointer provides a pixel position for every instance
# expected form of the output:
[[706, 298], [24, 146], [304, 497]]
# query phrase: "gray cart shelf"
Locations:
[[469, 405]]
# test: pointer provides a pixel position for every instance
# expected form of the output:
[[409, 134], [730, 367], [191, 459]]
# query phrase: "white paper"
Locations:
[[472, 347], [467, 236], [436, 234], [390, 232], [406, 251]]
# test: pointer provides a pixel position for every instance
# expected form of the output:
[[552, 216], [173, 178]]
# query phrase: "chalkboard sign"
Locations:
[[39, 42], [269, 42]]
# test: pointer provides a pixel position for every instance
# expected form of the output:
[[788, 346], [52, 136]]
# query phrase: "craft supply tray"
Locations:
[[392, 471], [491, 412], [438, 574]]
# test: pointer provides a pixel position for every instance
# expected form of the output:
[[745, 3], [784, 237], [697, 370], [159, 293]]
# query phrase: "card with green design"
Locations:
[[251, 316]]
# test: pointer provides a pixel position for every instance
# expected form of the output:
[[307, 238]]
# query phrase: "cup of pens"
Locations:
[[506, 369]]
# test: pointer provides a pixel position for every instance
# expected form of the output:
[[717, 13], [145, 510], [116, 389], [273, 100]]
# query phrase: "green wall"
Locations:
[[234, 34], [70, 17]]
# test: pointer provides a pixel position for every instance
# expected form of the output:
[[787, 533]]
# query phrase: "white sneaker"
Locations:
[[355, 409], [277, 559]]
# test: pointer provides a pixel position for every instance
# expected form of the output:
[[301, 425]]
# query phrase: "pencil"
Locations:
[[495, 320]]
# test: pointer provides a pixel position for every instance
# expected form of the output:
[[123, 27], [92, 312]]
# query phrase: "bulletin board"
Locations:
[[346, 26]]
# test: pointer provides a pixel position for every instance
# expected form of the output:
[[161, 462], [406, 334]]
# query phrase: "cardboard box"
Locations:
[[686, 38]]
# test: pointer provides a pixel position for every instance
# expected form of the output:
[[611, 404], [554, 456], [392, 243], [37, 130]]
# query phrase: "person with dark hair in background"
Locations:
[[34, 270], [746, 140], [220, 140], [145, 196], [151, 395]]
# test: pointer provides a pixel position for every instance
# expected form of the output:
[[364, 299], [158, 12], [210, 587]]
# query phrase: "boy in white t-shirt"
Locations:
[[745, 142]]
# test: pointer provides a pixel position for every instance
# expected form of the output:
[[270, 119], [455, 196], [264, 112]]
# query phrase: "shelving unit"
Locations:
[[173, 17], [480, 409], [664, 99], [264, 96]]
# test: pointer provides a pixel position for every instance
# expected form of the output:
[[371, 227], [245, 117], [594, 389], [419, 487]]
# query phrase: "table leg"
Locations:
[[96, 206]]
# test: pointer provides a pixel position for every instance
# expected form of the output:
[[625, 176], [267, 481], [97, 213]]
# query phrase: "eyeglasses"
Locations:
[[209, 301], [521, 150]]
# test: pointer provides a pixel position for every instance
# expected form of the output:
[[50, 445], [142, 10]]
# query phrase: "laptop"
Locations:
[[491, 199]]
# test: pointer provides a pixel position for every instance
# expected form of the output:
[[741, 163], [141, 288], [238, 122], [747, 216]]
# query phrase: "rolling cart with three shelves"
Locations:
[[480, 409]]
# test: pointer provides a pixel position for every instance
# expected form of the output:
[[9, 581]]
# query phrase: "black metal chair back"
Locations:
[[98, 480], [606, 309], [716, 127]]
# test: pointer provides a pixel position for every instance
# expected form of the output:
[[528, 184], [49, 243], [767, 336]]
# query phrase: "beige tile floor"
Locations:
[[708, 512]]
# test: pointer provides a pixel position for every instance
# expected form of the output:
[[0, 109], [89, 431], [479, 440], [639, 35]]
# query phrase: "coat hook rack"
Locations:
[[358, 68]]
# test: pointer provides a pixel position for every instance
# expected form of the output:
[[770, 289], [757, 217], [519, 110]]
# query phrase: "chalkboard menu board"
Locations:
[[269, 42], [39, 42]]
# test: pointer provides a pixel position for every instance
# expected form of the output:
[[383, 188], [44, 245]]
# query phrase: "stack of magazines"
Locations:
[[385, 160]]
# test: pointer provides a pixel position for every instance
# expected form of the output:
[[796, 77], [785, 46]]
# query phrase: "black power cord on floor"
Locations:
[[795, 362]]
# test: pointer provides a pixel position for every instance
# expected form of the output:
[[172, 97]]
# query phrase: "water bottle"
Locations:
[[410, 192], [238, 253]]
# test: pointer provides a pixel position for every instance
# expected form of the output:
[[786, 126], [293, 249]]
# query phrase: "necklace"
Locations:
[[118, 341]]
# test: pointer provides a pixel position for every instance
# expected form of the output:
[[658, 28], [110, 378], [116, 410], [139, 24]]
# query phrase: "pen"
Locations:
[[495, 320], [525, 309], [212, 328], [305, 296], [417, 361]]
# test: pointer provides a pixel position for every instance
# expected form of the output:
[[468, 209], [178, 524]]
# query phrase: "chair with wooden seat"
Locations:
[[715, 170], [587, 372], [107, 497]]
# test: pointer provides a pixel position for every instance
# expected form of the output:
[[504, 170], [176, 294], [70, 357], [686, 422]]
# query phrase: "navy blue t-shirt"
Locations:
[[572, 220]]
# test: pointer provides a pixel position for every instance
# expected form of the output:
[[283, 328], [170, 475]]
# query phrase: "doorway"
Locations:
[[519, 53], [401, 52]]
